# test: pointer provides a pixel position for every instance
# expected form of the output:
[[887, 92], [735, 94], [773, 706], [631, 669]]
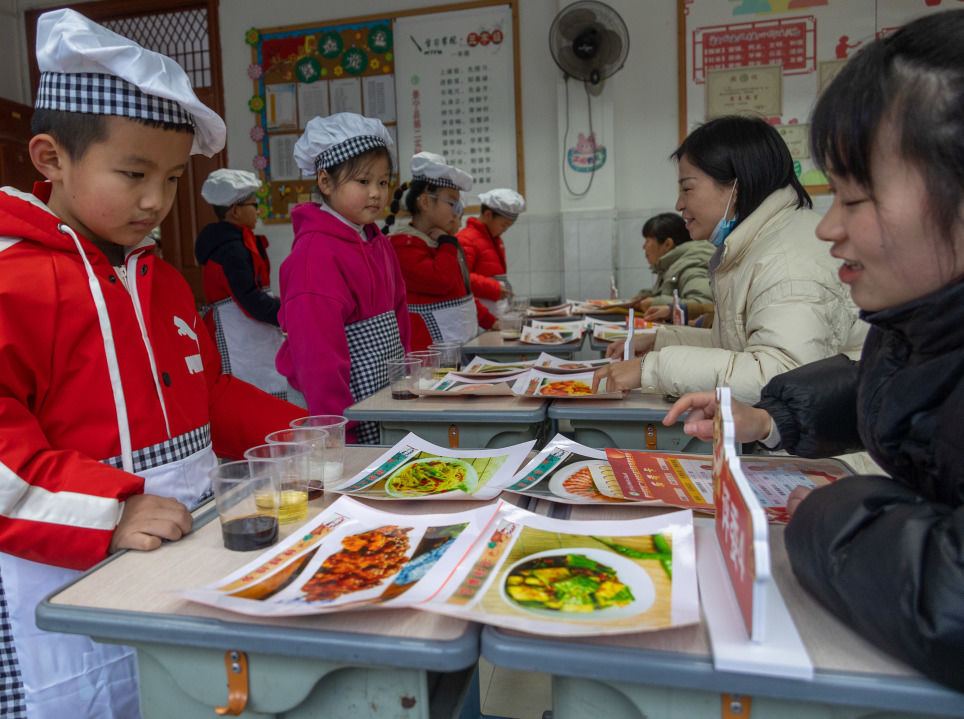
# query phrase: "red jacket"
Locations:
[[486, 258], [58, 421], [432, 274]]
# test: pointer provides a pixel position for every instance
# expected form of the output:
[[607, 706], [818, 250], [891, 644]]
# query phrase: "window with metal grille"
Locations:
[[181, 35]]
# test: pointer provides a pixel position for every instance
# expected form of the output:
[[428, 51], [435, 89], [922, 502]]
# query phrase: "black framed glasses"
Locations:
[[247, 204], [457, 207]]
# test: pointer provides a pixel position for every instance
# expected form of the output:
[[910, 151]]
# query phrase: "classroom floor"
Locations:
[[513, 694]]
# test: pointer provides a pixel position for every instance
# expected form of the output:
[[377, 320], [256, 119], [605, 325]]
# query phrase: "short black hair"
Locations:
[[77, 131], [666, 226], [748, 150], [913, 82], [417, 188]]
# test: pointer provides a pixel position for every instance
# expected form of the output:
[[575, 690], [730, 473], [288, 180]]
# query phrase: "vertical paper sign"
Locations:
[[741, 527]]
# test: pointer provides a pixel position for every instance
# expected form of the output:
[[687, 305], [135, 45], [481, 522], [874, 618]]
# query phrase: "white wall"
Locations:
[[644, 107]]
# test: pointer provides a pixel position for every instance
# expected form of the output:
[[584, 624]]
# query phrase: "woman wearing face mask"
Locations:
[[779, 302]]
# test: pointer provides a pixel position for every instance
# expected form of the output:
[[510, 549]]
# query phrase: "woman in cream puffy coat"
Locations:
[[779, 302]]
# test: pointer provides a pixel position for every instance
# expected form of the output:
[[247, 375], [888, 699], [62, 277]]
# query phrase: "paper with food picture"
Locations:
[[481, 367], [498, 564], [567, 472], [569, 578], [538, 383], [550, 335], [455, 384], [612, 331], [686, 480], [350, 556], [563, 310], [416, 469], [560, 365], [588, 306]]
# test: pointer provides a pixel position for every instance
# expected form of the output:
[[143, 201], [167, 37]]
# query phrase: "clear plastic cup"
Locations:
[[334, 425], [247, 496], [450, 359], [314, 437], [292, 458], [403, 376], [510, 325], [431, 364]]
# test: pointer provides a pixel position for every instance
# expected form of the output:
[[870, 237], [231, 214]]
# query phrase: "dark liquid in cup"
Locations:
[[255, 531], [315, 491], [404, 394]]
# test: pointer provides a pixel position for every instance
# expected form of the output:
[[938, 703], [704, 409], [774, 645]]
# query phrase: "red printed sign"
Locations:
[[790, 42], [734, 530]]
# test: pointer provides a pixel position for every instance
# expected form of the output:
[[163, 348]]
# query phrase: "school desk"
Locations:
[[473, 422], [670, 673], [390, 663], [492, 346], [633, 422]]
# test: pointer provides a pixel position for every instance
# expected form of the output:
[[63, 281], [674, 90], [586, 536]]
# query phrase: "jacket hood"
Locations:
[[697, 251], [770, 210], [25, 216], [306, 215], [213, 236]]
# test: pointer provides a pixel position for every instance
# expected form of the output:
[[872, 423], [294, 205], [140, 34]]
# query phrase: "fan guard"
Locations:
[[589, 41]]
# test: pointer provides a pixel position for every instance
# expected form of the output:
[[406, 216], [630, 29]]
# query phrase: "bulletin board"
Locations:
[[444, 79], [772, 58]]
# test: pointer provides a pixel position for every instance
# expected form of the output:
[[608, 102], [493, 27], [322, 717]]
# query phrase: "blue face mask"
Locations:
[[724, 227]]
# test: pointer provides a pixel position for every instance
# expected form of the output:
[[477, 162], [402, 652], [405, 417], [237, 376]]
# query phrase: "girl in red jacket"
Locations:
[[440, 301]]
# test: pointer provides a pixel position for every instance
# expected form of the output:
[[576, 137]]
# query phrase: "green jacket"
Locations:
[[685, 269]]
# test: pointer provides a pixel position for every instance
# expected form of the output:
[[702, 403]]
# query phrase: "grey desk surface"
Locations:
[[635, 406], [128, 598], [848, 669], [380, 407], [492, 343]]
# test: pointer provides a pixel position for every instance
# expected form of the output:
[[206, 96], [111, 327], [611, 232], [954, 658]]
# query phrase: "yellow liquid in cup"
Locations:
[[294, 506]]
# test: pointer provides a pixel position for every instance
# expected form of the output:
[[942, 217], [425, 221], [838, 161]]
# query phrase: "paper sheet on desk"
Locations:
[[540, 383], [498, 564]]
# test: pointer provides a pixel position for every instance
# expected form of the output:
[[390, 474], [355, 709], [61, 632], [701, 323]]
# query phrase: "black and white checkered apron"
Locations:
[[449, 319], [12, 705], [370, 343]]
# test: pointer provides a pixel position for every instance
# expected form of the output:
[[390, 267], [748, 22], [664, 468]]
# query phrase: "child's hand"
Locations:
[[796, 497], [504, 291], [618, 375], [149, 519], [659, 313]]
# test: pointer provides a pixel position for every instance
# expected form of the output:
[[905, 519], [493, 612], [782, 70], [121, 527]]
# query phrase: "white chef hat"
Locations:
[[89, 69], [330, 141], [432, 168], [504, 201], [224, 188]]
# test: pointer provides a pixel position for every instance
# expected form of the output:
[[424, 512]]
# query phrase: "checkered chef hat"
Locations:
[[87, 68], [432, 168], [504, 202], [330, 141], [224, 188]]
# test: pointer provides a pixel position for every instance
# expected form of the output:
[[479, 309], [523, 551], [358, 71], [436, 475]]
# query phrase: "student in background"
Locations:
[[779, 302], [481, 238], [342, 292], [111, 391], [885, 553], [680, 264], [242, 314], [440, 301]]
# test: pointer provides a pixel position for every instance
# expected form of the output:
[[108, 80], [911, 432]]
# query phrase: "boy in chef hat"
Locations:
[[242, 314], [481, 238], [110, 390]]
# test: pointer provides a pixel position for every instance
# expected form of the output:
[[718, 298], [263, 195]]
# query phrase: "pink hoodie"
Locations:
[[332, 279]]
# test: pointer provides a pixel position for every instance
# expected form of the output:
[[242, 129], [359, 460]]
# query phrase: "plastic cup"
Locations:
[[519, 303], [431, 364], [334, 425], [315, 438], [450, 358], [403, 375], [247, 497], [292, 458], [510, 325]]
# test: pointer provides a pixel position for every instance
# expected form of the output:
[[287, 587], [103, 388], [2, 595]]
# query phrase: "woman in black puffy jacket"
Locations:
[[886, 553]]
